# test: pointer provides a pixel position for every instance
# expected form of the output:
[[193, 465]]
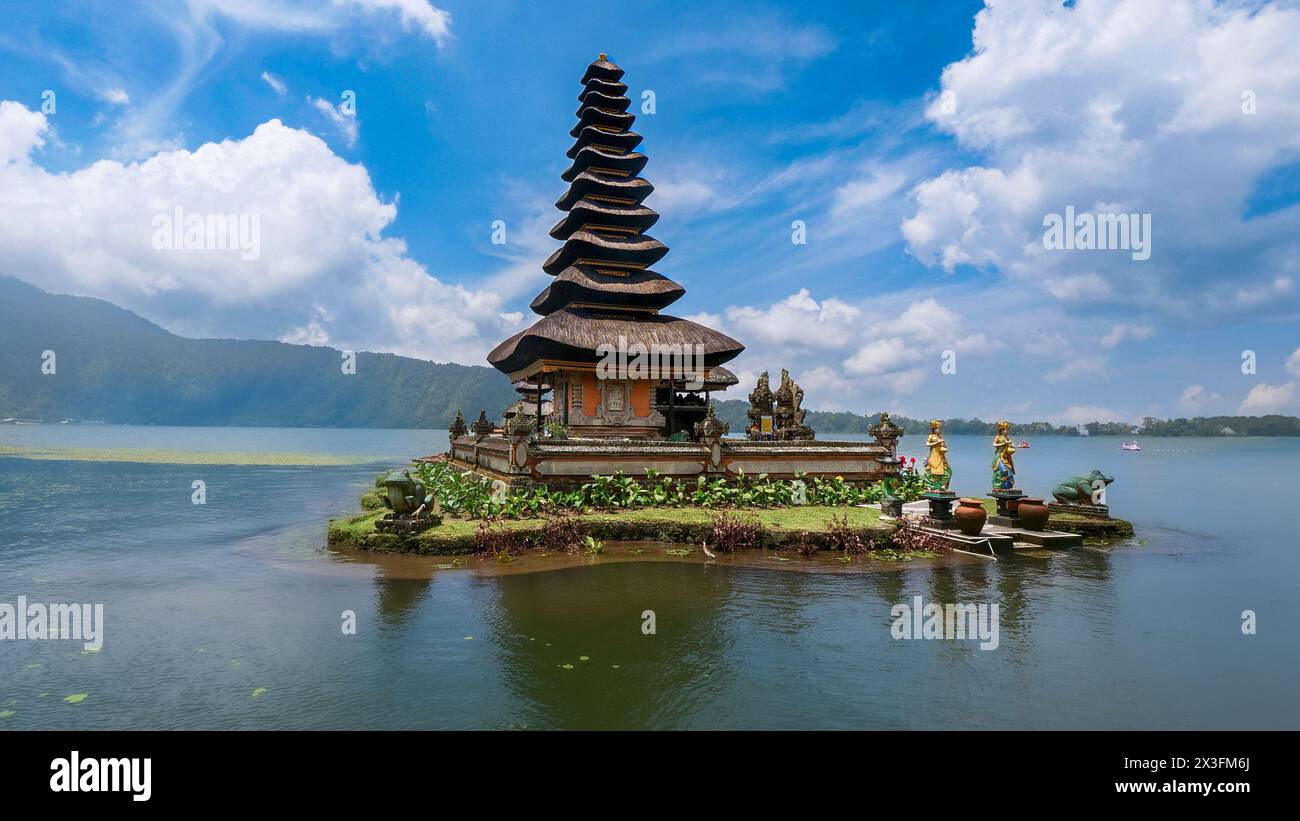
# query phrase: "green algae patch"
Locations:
[[178, 457]]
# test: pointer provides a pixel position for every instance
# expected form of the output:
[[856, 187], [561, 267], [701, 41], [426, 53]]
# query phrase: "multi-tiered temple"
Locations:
[[605, 298], [604, 292]]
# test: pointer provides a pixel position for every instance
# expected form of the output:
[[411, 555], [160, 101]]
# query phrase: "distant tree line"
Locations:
[[733, 411]]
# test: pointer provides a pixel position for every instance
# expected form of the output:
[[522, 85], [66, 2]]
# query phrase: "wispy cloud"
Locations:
[[277, 85]]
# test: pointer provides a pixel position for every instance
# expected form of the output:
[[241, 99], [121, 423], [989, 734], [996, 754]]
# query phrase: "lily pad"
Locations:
[[257, 692], [75, 698]]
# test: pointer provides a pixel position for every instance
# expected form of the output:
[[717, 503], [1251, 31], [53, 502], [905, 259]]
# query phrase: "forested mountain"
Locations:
[[113, 366]]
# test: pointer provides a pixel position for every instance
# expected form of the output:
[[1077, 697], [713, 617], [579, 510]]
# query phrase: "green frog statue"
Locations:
[[412, 508]]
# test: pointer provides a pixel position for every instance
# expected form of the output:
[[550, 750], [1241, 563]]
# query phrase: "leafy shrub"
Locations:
[[561, 532], [844, 537], [731, 532], [593, 546], [493, 538], [910, 537]]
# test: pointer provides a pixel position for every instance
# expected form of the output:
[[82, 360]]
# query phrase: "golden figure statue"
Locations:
[[1004, 466], [938, 473]]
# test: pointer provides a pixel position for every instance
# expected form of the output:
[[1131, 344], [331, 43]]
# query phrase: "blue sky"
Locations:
[[921, 145]]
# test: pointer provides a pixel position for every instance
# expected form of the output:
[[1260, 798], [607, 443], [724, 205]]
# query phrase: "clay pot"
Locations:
[[1033, 514], [1013, 505], [971, 516]]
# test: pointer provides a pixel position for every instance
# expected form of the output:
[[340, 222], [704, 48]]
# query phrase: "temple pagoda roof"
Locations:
[[607, 89], [719, 379], [591, 135], [626, 164], [571, 336], [598, 99], [615, 251], [599, 215], [583, 284], [530, 388], [618, 190], [602, 69], [603, 288]]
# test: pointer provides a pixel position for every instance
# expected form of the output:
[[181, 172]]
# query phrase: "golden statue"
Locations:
[[1004, 466], [938, 473]]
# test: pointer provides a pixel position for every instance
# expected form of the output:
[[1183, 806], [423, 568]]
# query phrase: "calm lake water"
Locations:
[[206, 604]]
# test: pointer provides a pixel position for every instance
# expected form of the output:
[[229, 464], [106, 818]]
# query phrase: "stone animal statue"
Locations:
[[403, 495], [1078, 490]]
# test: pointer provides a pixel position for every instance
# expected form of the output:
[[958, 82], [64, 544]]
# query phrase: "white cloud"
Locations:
[[1085, 367], [1195, 399], [1124, 331], [21, 132], [277, 85], [430, 20], [1130, 106], [1293, 362], [326, 271], [1266, 398], [880, 356], [117, 96], [341, 117]]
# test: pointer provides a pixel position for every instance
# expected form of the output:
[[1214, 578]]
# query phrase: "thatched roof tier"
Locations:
[[572, 335], [595, 98], [597, 160], [616, 190], [601, 87], [719, 379], [526, 408], [529, 388], [602, 69], [581, 283], [613, 140], [602, 216], [619, 252], [600, 118]]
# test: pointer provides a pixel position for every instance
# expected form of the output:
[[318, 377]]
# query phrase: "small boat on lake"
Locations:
[[1023, 444], [1130, 446]]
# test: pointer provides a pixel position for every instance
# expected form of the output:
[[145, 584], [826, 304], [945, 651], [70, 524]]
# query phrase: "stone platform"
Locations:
[[1053, 539], [520, 462]]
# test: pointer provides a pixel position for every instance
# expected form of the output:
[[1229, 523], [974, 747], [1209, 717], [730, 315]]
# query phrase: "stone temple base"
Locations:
[[1092, 511], [565, 464]]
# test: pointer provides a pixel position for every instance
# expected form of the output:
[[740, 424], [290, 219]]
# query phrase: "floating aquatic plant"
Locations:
[[257, 692], [7, 713], [75, 698], [678, 551], [584, 658]]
